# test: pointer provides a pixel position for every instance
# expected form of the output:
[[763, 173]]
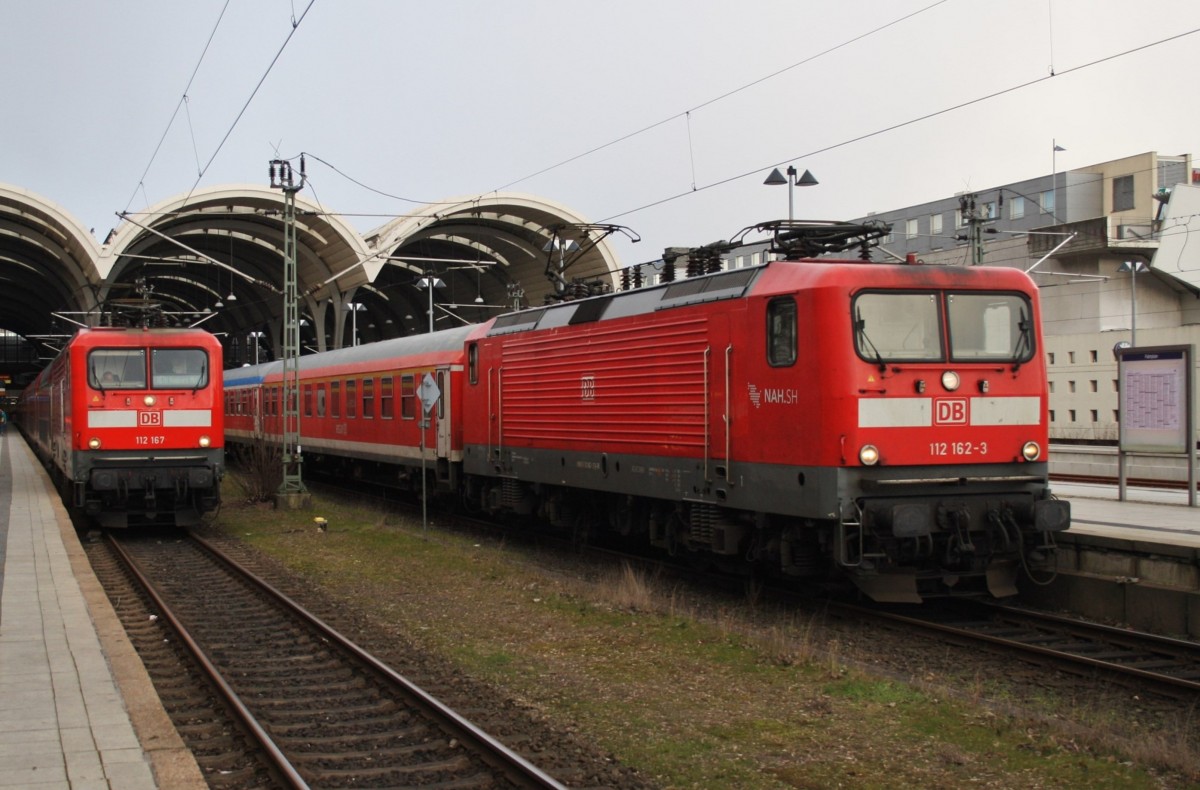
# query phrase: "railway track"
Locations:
[[1163, 664], [322, 711]]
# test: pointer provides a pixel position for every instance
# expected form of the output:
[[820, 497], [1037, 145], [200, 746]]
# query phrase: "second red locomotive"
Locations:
[[881, 422], [129, 420]]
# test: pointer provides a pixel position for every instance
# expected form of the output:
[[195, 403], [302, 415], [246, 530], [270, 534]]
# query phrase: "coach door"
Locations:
[[442, 377]]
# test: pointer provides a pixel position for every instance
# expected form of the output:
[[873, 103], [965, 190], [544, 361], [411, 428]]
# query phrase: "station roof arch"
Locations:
[[215, 256], [47, 263]]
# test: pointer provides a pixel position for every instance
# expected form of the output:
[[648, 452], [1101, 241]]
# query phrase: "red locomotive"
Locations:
[[883, 422], [129, 420]]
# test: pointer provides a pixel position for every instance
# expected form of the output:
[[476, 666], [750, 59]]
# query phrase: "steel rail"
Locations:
[[286, 770], [517, 768]]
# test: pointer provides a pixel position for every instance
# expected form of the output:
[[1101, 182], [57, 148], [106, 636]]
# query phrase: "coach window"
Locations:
[[117, 368], [351, 399], [308, 400], [368, 393], [335, 399], [473, 362], [408, 396], [321, 400], [385, 398], [781, 332], [178, 368]]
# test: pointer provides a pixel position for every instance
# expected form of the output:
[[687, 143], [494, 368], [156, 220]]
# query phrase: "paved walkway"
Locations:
[[1152, 515], [65, 721]]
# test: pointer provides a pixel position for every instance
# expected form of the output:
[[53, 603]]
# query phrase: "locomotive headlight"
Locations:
[[950, 380], [868, 454], [93, 443], [149, 400], [205, 441], [1032, 451]]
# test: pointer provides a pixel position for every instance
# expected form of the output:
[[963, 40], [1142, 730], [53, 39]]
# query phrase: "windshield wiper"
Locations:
[[1023, 343], [200, 376], [860, 330]]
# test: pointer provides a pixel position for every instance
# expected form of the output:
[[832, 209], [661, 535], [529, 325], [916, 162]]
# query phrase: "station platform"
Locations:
[[77, 709], [1148, 515]]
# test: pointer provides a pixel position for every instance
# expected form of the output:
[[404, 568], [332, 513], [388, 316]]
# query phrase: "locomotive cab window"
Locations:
[[897, 326], [117, 368], [178, 368], [990, 327], [781, 332]]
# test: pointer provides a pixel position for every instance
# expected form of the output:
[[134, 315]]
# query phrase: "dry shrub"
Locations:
[[632, 590], [261, 465]]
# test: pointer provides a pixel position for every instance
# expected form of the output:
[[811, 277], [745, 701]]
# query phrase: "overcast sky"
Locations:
[[428, 101]]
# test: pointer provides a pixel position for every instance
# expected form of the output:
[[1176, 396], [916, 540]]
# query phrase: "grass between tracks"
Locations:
[[692, 696]]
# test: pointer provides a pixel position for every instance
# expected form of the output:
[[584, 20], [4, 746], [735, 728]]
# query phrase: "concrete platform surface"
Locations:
[[1147, 514], [77, 710]]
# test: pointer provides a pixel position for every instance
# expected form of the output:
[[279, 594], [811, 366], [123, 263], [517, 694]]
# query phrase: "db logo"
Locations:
[[950, 411], [146, 418]]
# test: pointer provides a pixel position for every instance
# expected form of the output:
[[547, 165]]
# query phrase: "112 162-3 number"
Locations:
[[958, 448]]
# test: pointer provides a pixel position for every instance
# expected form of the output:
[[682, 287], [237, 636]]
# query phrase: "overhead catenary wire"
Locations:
[[182, 100], [722, 96], [902, 124], [250, 98]]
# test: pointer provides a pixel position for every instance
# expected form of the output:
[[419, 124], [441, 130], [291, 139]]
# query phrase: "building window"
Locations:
[[1071, 357], [1095, 385], [1095, 415], [1047, 201], [911, 228], [1052, 415], [1051, 355], [1071, 414], [1116, 385], [1051, 386], [1071, 386], [1116, 415], [958, 218], [1016, 208], [1122, 193], [935, 225], [988, 210], [1095, 355]]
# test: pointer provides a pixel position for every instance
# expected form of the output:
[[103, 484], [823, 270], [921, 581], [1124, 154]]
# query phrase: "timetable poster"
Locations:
[[1155, 397]]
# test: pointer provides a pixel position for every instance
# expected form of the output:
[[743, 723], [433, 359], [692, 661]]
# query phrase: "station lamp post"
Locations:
[[355, 308], [1133, 267], [255, 337], [776, 178], [428, 283]]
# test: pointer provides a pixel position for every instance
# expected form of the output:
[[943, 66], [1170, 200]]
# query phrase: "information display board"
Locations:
[[1155, 398]]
